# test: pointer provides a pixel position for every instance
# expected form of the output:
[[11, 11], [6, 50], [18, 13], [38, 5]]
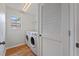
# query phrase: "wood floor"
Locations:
[[22, 50]]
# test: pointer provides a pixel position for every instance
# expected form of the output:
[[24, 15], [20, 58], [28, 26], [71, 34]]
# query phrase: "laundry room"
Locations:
[[19, 22]]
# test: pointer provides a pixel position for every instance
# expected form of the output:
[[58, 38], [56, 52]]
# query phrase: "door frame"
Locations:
[[73, 22], [75, 27], [4, 5], [4, 26]]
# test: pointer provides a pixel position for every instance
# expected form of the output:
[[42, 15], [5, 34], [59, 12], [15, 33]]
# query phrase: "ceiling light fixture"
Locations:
[[26, 6]]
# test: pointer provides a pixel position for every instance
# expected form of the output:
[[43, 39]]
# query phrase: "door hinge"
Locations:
[[77, 45], [69, 32]]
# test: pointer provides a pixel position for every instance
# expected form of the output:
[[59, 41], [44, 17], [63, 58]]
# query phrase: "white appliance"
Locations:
[[27, 37], [33, 42]]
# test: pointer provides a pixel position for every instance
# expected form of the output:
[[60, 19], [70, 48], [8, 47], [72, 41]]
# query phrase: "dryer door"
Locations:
[[32, 40]]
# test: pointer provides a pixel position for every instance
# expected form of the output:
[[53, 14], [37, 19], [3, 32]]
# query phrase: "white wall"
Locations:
[[32, 13], [28, 23]]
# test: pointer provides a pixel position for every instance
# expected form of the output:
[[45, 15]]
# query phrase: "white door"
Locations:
[[54, 29], [2, 29]]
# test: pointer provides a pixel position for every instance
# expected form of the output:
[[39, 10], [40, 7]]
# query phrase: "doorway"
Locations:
[[55, 29]]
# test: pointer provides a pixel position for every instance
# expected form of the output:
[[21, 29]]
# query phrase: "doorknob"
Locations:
[[2, 43], [40, 35], [77, 45]]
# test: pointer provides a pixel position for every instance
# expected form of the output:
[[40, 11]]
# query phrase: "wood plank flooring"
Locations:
[[22, 50]]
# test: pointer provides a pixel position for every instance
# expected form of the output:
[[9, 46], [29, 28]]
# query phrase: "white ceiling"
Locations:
[[17, 6]]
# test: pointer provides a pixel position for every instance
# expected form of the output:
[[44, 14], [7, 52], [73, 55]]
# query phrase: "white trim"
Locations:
[[75, 12], [5, 31], [73, 24], [72, 29], [39, 27]]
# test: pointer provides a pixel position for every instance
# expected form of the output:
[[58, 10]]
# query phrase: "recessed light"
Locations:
[[26, 6]]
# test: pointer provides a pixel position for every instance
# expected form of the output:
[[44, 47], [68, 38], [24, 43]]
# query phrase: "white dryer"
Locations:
[[33, 42], [27, 37]]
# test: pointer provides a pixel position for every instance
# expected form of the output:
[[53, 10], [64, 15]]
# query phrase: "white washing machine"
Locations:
[[33, 42], [27, 37]]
